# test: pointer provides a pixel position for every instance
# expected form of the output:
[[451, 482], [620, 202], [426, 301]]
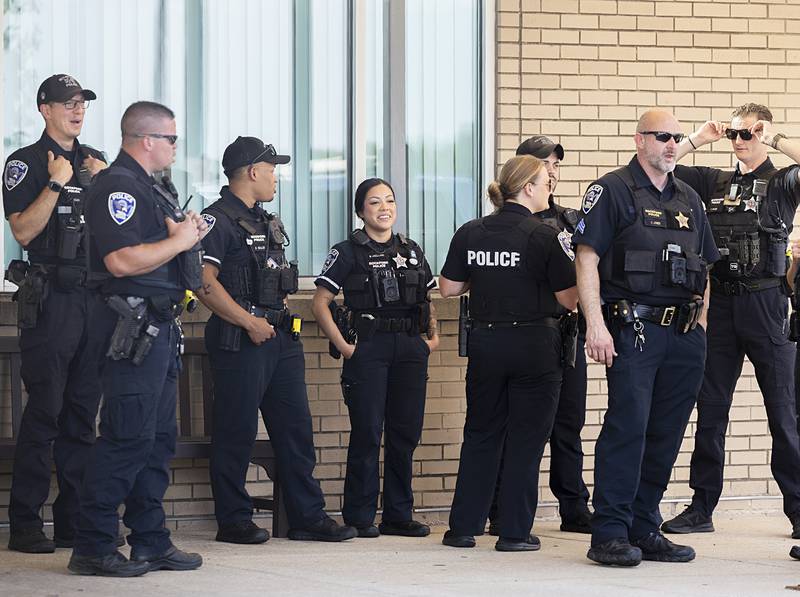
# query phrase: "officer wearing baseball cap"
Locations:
[[256, 355]]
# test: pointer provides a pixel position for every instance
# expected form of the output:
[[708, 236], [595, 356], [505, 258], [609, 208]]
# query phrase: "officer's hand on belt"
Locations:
[[93, 165], [600, 344], [259, 330], [59, 169], [186, 233]]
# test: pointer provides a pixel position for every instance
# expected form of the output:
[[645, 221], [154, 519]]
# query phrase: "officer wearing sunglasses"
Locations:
[[750, 210], [643, 245]]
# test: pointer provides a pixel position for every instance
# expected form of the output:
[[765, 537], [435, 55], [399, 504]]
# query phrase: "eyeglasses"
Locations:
[[664, 136], [171, 139], [72, 104], [268, 150], [745, 134]]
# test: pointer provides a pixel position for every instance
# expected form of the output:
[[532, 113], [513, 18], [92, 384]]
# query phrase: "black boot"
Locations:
[[243, 533], [616, 552], [172, 559], [326, 529], [113, 564], [31, 540]]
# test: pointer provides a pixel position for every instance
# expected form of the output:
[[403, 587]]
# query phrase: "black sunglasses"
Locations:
[[171, 139], [664, 136], [268, 150], [745, 134]]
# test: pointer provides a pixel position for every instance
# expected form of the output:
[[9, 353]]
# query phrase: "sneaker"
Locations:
[[616, 552], [690, 520], [113, 564], [452, 540], [657, 548], [172, 559], [244, 532], [407, 528], [369, 531], [326, 529], [31, 540], [578, 523], [532, 543]]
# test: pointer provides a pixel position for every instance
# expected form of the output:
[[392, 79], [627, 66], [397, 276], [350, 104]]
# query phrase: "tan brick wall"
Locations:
[[582, 71]]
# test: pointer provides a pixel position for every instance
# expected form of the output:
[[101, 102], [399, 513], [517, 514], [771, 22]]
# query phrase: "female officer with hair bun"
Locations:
[[520, 274], [385, 334]]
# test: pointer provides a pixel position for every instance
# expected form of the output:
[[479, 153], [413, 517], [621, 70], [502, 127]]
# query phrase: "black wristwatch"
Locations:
[[54, 186]]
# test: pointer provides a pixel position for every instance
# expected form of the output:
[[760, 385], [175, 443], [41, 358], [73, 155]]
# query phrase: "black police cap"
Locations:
[[249, 150], [540, 147], [61, 88]]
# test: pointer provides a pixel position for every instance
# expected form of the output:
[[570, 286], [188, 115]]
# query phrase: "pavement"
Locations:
[[747, 556]]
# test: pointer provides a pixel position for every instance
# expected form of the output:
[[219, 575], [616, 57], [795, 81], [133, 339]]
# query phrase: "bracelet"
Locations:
[[689, 138], [775, 138]]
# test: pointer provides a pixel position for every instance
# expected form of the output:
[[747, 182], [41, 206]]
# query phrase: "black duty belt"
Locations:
[[623, 311], [65, 276], [277, 318], [739, 287], [548, 322]]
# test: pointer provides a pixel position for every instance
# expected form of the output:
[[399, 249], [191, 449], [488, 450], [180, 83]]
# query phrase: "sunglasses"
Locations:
[[664, 136], [268, 150], [745, 134], [171, 139]]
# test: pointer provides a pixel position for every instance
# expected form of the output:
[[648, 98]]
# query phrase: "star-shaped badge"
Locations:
[[400, 261], [750, 205], [683, 221]]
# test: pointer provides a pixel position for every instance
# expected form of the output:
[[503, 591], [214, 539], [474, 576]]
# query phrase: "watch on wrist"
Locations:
[[54, 186], [775, 138]]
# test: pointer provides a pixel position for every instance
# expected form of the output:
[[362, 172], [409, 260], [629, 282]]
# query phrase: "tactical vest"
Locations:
[[565, 218], [750, 234], [659, 252], [385, 278], [501, 285], [268, 277]]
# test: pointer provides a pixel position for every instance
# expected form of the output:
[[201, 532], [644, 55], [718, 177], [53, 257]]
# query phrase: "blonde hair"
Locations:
[[514, 175]]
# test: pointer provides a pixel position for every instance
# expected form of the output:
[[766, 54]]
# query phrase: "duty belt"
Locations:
[[739, 287], [278, 318], [393, 324], [65, 276], [623, 311], [549, 322]]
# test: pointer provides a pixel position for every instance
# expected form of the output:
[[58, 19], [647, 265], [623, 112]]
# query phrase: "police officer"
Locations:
[[144, 253], [257, 362], [385, 279], [520, 277], [642, 248], [44, 194], [566, 450], [751, 211]]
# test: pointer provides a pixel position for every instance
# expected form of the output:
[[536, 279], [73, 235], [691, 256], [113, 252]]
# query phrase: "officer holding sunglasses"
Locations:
[[751, 211]]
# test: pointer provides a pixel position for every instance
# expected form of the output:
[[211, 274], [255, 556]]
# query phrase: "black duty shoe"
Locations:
[[616, 552], [172, 559], [657, 548], [795, 552], [244, 532], [494, 529], [579, 523], [690, 520], [795, 519], [369, 531], [532, 543], [452, 540], [326, 529], [30, 541], [69, 542], [407, 528], [113, 564]]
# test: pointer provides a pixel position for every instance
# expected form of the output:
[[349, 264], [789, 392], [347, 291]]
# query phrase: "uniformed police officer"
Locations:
[[256, 361], [44, 195], [643, 246], [566, 450], [144, 254], [520, 277], [751, 211], [385, 279]]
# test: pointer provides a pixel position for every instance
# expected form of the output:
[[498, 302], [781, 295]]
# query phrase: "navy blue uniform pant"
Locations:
[[753, 324], [384, 386], [269, 378], [60, 368], [513, 382], [130, 461], [651, 394]]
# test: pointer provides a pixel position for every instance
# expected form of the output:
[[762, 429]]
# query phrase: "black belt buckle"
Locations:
[[667, 316]]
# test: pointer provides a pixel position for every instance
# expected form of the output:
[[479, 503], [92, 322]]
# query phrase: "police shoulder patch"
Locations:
[[590, 198], [121, 206], [210, 220], [15, 172], [565, 240], [330, 260]]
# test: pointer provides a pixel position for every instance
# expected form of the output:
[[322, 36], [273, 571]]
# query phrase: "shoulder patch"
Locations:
[[581, 227], [565, 240], [590, 198], [15, 172], [121, 206], [329, 261], [210, 220]]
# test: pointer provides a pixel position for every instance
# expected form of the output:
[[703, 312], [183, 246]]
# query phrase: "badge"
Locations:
[[210, 220], [15, 172], [565, 240], [590, 198], [581, 227], [121, 206], [683, 221], [751, 205], [329, 261], [400, 261]]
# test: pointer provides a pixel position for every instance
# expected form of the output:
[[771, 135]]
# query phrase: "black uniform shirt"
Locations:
[[25, 177], [548, 259]]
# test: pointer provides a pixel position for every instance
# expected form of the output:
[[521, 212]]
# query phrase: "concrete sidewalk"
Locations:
[[747, 556]]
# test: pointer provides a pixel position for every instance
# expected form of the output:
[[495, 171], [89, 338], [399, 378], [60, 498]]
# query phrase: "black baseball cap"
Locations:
[[540, 147], [249, 150], [61, 88]]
